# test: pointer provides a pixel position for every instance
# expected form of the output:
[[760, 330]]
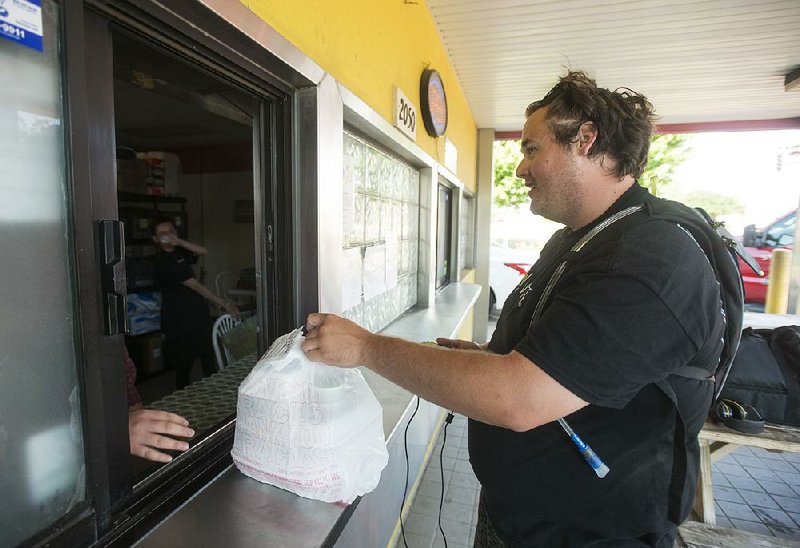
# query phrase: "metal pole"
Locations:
[[778, 289]]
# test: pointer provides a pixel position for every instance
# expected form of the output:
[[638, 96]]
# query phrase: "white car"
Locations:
[[517, 240], [506, 268]]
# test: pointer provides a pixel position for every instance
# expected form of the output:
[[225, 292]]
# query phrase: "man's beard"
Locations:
[[562, 201]]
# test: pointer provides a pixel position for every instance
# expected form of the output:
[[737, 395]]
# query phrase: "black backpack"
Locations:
[[721, 250], [719, 247], [766, 374]]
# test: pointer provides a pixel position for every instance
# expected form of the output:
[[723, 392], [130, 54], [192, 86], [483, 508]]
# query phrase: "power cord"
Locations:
[[405, 489], [447, 421]]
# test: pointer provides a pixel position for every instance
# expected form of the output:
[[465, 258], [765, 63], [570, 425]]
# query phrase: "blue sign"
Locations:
[[21, 22]]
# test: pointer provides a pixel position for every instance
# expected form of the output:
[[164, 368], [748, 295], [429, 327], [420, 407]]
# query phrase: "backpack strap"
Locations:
[[732, 243], [574, 252], [692, 372], [720, 250]]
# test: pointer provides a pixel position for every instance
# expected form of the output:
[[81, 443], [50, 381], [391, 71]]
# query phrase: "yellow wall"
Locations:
[[371, 46]]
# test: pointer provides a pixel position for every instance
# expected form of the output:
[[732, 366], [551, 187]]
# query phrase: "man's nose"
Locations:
[[522, 169]]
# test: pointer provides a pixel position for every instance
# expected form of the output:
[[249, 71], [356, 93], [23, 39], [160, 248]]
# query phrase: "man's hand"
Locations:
[[231, 309], [150, 430], [460, 344], [336, 341], [166, 239]]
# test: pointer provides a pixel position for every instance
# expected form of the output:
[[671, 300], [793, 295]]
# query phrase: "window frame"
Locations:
[[450, 234], [467, 197], [115, 511]]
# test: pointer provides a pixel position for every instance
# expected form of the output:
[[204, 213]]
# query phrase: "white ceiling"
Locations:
[[696, 60]]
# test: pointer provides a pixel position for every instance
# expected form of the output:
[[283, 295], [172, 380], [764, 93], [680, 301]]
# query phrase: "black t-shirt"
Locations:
[[183, 310], [640, 302]]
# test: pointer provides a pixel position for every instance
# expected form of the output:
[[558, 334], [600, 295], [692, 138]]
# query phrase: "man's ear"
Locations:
[[587, 135]]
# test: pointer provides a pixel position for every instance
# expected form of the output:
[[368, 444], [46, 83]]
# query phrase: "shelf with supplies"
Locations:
[[140, 212]]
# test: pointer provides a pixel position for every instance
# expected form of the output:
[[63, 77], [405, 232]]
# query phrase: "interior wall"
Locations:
[[483, 216], [465, 332], [370, 47], [210, 206]]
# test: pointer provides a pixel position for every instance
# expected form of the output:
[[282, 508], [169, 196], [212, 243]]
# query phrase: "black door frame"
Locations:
[[115, 513]]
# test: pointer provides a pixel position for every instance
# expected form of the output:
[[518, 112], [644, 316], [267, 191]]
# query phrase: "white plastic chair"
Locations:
[[222, 325], [224, 282]]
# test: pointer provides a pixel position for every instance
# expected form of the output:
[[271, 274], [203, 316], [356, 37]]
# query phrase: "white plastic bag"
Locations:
[[311, 429]]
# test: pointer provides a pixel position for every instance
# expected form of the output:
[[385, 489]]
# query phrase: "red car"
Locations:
[[779, 234]]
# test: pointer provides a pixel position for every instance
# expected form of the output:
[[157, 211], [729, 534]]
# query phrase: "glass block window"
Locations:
[[466, 238], [381, 235]]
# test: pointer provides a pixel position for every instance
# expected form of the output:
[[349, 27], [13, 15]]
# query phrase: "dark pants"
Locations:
[[181, 349], [486, 535]]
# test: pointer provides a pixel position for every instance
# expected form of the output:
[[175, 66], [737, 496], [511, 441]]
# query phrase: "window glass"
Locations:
[[184, 142], [381, 235], [466, 240], [444, 214], [781, 233], [41, 446]]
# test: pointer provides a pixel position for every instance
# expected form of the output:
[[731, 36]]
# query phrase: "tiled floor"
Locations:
[[759, 491], [755, 490], [460, 510]]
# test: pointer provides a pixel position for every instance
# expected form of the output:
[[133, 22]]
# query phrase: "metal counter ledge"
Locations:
[[235, 511]]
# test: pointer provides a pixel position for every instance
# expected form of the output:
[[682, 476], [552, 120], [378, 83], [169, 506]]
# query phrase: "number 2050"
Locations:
[[406, 116]]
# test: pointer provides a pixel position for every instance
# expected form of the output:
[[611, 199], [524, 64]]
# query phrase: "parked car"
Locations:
[[506, 268], [760, 244]]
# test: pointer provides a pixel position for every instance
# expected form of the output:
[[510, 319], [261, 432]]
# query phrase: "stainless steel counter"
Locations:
[[235, 511]]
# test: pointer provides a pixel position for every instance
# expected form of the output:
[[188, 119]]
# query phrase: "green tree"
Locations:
[[716, 204], [508, 190], [667, 152]]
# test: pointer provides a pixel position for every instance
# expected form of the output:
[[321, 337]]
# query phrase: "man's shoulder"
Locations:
[[664, 256], [660, 241]]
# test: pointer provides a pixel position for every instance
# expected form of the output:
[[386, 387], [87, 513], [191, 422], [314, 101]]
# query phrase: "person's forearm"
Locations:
[[505, 390], [209, 295], [477, 384], [197, 249], [206, 293], [212, 297]]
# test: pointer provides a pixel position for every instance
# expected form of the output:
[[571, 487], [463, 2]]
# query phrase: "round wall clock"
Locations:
[[434, 103]]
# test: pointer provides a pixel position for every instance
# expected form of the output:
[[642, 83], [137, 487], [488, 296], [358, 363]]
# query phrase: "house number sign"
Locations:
[[405, 115]]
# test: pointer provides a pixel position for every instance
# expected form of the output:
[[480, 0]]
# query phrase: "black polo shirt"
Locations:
[[184, 312], [640, 302]]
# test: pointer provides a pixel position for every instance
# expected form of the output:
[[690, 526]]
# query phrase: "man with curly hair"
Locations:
[[598, 332]]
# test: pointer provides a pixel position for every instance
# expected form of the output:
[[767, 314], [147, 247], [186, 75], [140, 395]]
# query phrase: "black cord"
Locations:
[[447, 421], [405, 489]]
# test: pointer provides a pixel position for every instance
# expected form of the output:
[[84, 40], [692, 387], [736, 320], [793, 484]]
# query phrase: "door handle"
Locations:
[[111, 237]]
